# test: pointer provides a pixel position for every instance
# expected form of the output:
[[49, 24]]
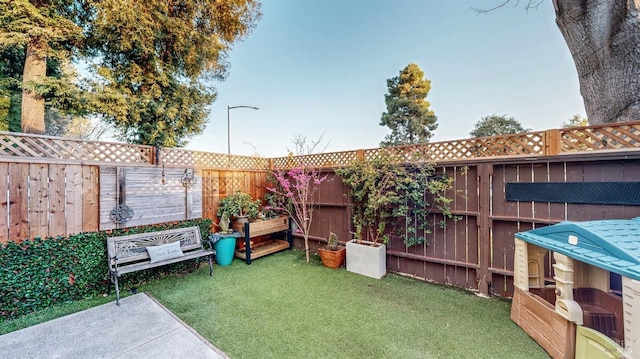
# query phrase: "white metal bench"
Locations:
[[129, 253]]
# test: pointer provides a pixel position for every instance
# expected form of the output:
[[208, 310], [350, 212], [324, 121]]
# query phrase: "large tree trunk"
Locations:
[[35, 69], [604, 39]]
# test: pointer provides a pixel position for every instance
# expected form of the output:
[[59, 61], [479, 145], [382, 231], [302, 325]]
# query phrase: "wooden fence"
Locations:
[[58, 186]]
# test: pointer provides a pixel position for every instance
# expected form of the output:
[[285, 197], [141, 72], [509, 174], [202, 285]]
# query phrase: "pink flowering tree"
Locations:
[[296, 189]]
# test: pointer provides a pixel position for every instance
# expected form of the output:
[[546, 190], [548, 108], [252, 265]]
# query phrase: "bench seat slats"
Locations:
[[147, 265]]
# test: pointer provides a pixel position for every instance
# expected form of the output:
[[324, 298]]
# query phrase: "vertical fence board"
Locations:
[[90, 198], [108, 195], [18, 202], [38, 200], [631, 174], [612, 172], [541, 210], [4, 202], [524, 175], [57, 192], [575, 173], [557, 173], [74, 199]]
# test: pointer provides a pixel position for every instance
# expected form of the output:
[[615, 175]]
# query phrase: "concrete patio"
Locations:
[[139, 328]]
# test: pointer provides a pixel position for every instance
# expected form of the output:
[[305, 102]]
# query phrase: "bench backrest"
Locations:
[[133, 247]]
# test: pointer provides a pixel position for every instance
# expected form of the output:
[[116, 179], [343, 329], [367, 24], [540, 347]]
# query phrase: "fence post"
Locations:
[[360, 154], [552, 142], [485, 171]]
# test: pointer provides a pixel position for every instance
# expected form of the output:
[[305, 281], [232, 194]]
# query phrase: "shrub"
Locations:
[[38, 273], [394, 195]]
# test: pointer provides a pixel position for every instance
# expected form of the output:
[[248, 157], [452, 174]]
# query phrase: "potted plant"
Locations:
[[238, 206], [390, 197], [333, 254]]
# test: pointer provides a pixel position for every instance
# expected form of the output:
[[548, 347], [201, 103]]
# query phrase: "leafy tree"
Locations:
[[603, 38], [155, 57], [576, 121], [408, 114], [10, 92], [497, 125], [151, 61], [53, 88], [43, 34]]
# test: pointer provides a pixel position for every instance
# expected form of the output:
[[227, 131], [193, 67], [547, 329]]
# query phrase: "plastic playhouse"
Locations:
[[577, 288]]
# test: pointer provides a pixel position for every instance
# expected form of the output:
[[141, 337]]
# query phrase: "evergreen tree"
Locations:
[[408, 114]]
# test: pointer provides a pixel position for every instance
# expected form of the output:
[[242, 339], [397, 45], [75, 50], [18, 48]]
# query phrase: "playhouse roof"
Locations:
[[613, 245]]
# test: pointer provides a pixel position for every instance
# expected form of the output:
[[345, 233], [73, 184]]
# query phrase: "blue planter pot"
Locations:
[[224, 250]]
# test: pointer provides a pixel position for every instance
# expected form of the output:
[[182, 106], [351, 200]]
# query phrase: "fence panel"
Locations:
[[46, 200], [154, 194], [218, 184]]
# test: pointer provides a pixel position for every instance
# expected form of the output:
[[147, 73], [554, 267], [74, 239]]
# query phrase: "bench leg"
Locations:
[[109, 282], [211, 265], [115, 282]]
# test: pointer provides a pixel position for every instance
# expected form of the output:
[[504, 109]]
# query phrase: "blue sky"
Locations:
[[320, 66]]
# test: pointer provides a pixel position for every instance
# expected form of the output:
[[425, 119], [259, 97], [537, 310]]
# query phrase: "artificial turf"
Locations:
[[282, 307]]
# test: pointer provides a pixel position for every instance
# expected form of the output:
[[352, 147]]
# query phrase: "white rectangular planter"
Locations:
[[366, 259]]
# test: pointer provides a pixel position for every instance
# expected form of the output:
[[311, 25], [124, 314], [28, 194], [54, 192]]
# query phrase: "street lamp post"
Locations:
[[229, 108]]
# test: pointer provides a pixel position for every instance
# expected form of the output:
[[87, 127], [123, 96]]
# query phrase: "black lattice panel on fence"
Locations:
[[626, 135], [617, 193], [34, 146]]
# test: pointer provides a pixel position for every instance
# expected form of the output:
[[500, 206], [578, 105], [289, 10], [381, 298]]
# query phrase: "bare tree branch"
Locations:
[[304, 146], [531, 4], [484, 11]]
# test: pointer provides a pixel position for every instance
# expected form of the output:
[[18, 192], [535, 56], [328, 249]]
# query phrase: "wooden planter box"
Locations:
[[260, 228]]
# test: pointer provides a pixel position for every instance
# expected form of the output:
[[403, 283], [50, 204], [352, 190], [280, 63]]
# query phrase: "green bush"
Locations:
[[38, 273]]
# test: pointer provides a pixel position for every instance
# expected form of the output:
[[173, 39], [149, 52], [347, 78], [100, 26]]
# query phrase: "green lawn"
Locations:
[[281, 307]]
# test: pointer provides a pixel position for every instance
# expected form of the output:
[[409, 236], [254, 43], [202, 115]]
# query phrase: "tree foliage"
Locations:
[[495, 125], [155, 57], [576, 121], [62, 98], [408, 114], [152, 62], [44, 35], [392, 197]]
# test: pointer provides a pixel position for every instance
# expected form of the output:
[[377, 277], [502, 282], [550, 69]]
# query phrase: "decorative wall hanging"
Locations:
[[189, 178]]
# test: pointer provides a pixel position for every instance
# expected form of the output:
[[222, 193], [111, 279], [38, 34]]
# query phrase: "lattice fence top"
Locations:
[[550, 142], [180, 157], [35, 146], [531, 143], [624, 135], [318, 160]]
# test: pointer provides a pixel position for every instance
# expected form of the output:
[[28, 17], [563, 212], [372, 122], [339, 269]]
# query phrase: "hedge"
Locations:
[[38, 273]]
